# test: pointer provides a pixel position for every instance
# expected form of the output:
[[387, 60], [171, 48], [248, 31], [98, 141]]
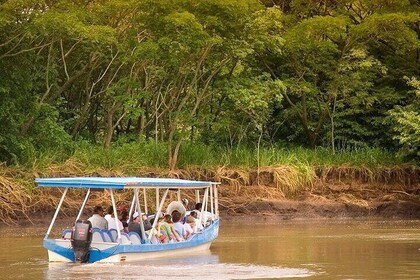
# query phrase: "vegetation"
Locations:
[[209, 81]]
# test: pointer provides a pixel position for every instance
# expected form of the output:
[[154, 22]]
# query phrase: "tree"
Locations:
[[407, 123]]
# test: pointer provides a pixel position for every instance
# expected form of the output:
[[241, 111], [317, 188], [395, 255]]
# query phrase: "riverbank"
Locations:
[[257, 212], [270, 194]]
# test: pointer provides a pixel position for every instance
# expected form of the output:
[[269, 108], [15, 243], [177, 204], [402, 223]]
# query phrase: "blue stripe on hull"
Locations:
[[208, 235]]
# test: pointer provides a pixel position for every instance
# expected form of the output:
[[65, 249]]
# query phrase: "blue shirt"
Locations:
[[179, 228]]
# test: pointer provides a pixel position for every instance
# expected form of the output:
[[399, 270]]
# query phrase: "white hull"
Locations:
[[133, 257], [54, 257]]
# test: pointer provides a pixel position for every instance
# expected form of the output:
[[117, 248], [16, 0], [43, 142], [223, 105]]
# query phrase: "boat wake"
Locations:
[[174, 270]]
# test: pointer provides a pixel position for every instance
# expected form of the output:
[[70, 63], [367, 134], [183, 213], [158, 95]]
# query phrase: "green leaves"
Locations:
[[224, 71], [407, 123], [393, 30]]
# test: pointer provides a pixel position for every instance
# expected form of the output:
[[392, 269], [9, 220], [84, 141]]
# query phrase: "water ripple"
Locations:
[[180, 271]]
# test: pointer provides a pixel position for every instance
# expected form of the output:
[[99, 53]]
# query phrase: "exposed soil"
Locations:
[[287, 209], [268, 195], [329, 198]]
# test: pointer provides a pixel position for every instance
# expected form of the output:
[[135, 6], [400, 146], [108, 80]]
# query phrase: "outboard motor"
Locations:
[[81, 239]]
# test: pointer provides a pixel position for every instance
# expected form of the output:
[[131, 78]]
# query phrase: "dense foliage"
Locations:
[[336, 74]]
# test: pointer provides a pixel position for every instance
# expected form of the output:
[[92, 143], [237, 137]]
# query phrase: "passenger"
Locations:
[[189, 226], [205, 216], [97, 220], [124, 219], [176, 206], [158, 236], [196, 214], [178, 226], [134, 226], [162, 235], [198, 207], [111, 220], [122, 207], [166, 229], [146, 222], [185, 202], [109, 213], [153, 233]]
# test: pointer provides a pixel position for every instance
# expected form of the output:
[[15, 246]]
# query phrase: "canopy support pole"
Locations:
[[206, 192], [216, 198], [157, 215], [133, 201], [145, 201], [211, 201], [179, 194], [157, 200], [197, 196], [56, 213], [136, 195], [83, 205], [115, 215]]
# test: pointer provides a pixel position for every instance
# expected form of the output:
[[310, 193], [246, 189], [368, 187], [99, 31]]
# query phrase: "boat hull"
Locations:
[[60, 250]]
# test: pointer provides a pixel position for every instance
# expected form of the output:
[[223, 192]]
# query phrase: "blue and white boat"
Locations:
[[119, 247]]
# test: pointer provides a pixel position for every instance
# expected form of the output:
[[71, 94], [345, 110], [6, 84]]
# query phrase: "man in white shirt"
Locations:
[[111, 220], [97, 220]]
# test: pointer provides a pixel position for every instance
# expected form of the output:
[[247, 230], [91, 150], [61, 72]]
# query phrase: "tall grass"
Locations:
[[133, 156], [292, 169]]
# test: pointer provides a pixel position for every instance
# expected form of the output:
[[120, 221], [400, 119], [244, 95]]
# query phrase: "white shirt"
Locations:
[[112, 224], [188, 228], [98, 221]]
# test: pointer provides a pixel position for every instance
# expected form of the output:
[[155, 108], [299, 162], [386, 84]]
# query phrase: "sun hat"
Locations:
[[185, 201]]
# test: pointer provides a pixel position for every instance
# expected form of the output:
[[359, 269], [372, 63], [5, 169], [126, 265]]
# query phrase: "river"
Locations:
[[325, 249]]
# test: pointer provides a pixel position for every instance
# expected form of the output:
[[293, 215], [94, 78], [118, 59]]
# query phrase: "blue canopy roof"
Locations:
[[119, 182]]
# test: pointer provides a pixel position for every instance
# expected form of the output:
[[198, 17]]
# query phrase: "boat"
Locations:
[[105, 246]]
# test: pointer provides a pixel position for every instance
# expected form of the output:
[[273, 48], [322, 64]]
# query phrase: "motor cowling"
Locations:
[[81, 239]]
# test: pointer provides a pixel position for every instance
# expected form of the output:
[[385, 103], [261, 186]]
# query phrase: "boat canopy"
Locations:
[[120, 183]]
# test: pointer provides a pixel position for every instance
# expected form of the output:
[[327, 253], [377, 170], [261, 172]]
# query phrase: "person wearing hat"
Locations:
[[134, 225]]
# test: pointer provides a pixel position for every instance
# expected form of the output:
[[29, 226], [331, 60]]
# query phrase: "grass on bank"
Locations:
[[148, 154], [290, 170]]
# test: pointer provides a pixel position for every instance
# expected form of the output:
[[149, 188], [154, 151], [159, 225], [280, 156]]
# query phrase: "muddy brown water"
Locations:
[[326, 249]]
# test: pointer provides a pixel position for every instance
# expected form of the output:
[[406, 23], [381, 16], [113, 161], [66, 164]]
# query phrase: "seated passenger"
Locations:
[[176, 206], [162, 234], [146, 222], [194, 214], [178, 226], [109, 212], [198, 207], [189, 226], [134, 226], [166, 229], [124, 219], [97, 220], [111, 220], [206, 216], [185, 202], [156, 232]]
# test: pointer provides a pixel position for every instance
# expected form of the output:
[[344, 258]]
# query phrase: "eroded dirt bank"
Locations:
[[268, 194], [332, 193]]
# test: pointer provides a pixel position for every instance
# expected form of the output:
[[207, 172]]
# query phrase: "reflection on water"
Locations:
[[172, 270], [206, 265], [292, 249]]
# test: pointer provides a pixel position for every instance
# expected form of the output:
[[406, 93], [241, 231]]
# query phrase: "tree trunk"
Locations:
[[109, 129]]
